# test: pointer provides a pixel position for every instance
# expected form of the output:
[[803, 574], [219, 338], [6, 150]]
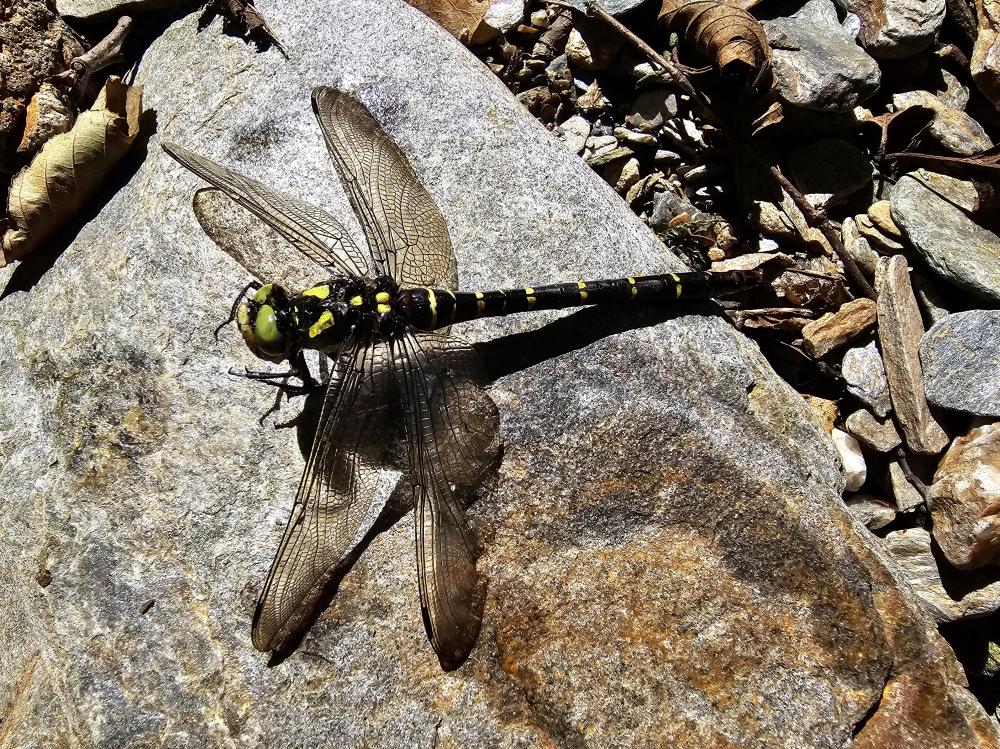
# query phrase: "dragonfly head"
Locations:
[[267, 322]]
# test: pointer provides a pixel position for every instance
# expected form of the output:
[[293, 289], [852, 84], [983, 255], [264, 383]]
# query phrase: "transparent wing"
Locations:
[[453, 436], [338, 499], [251, 242], [311, 231], [405, 230]]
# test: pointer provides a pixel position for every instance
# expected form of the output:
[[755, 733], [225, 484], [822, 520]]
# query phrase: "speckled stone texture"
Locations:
[[669, 560]]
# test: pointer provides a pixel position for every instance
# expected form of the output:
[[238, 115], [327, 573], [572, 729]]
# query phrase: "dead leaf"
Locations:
[[724, 34], [70, 168], [463, 19]]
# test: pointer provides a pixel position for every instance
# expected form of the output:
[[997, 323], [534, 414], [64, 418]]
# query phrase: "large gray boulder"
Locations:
[[668, 557]]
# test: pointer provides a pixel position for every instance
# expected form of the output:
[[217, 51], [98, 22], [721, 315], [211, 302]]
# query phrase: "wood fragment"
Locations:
[[106, 52]]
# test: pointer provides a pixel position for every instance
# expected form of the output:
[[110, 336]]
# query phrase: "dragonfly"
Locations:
[[383, 317]]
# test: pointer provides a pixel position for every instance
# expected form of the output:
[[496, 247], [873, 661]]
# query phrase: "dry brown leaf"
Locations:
[[70, 168], [725, 34], [463, 19]]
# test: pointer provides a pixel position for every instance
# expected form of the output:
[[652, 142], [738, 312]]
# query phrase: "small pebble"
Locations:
[[855, 470]]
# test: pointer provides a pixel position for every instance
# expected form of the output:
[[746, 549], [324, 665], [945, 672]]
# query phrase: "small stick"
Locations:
[[676, 75], [104, 53], [817, 218], [813, 273], [919, 485]]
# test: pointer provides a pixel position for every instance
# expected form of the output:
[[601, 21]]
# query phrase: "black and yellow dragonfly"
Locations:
[[382, 316]]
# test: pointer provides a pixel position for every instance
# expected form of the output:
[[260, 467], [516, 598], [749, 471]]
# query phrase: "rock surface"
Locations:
[[829, 169], [834, 329], [864, 372], [952, 128], [985, 61], [874, 512], [965, 499], [954, 246], [899, 331], [817, 64], [86, 9], [960, 357], [878, 435], [948, 594], [668, 557], [896, 28], [853, 461]]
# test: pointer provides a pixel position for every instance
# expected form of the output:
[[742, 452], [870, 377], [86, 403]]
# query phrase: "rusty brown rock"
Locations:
[[899, 331], [878, 435], [834, 329], [965, 499], [824, 409]]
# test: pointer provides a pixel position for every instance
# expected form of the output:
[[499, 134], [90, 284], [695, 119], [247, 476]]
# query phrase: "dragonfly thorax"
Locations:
[[276, 324]]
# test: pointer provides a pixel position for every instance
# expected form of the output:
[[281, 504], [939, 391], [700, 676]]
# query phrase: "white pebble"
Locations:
[[853, 461]]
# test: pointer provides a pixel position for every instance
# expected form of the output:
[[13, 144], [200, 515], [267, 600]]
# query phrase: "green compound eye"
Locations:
[[270, 338]]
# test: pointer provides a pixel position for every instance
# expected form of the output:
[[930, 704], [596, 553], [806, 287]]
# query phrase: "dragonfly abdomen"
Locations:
[[429, 309]]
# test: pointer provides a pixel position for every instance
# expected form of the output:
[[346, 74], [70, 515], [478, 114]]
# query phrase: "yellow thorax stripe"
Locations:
[[678, 282], [356, 301], [631, 282], [583, 294], [529, 293], [325, 321], [320, 292], [432, 301]]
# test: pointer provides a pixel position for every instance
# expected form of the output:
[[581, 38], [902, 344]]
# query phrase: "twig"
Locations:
[[105, 52], [904, 466], [676, 75], [814, 274], [817, 218]]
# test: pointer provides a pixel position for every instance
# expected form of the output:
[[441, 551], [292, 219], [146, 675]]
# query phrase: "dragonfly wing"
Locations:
[[405, 230], [338, 499], [453, 437], [250, 242], [311, 231]]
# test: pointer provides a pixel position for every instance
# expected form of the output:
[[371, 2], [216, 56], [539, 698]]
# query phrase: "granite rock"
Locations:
[[964, 499], [880, 436], [960, 356], [896, 28], [834, 329], [951, 127], [864, 372], [950, 595], [817, 64], [873, 511], [668, 557], [954, 246]]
